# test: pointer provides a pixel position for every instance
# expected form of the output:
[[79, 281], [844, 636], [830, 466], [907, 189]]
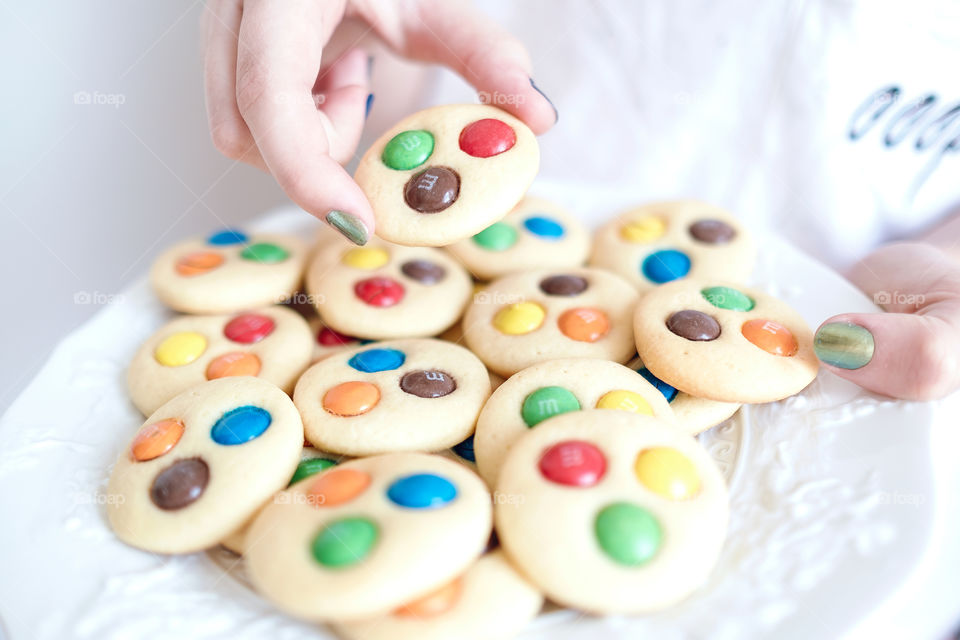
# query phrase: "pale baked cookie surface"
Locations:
[[665, 241], [368, 536], [446, 173], [725, 342], [530, 317], [611, 512], [202, 464], [229, 271]]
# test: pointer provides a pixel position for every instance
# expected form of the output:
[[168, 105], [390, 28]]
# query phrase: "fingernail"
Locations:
[[844, 345], [369, 105], [349, 225], [556, 116]]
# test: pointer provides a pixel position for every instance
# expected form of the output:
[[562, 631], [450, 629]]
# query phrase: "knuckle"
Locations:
[[251, 85], [230, 140]]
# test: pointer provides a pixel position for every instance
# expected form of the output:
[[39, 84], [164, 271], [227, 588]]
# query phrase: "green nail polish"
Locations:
[[349, 225], [844, 345]]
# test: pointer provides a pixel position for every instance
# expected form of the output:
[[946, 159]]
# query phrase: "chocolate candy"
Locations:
[[627, 533], [344, 542], [423, 271], [432, 190], [240, 425], [712, 231], [227, 237], [667, 472], [772, 337], [465, 449], [487, 137], [547, 402], [180, 349], [379, 291], [408, 150], [198, 263], [563, 285], [340, 486], [727, 298], [428, 384], [311, 466], [584, 324], [694, 325], [422, 491], [248, 328], [499, 236], [665, 265], [352, 398], [180, 484], [265, 253], [154, 440], [573, 463], [667, 390], [544, 227], [235, 363], [376, 360]]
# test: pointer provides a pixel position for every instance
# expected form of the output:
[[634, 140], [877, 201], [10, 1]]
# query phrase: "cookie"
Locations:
[[664, 241], [202, 464], [525, 318], [327, 342], [402, 395], [446, 173], [490, 600], [722, 341], [537, 234], [693, 415], [549, 389], [228, 271], [273, 343], [384, 291], [368, 536], [611, 512]]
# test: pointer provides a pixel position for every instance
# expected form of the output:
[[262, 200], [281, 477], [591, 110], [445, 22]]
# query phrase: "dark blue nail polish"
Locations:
[[369, 105], [556, 115]]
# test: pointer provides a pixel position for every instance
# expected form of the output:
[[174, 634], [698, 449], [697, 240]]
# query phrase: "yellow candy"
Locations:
[[667, 472], [365, 258], [519, 318], [643, 230], [625, 401], [180, 349]]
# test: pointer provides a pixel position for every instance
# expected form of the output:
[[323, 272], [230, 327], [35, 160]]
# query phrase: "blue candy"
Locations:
[[666, 265], [465, 450], [240, 425], [668, 392], [422, 491], [544, 227], [375, 360], [227, 237]]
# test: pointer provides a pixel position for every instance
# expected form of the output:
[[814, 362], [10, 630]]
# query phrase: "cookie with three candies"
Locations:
[[530, 317], [401, 395], [537, 234], [229, 271], [551, 388], [665, 241], [368, 536], [273, 343], [446, 173], [383, 291], [723, 341], [202, 464], [612, 512]]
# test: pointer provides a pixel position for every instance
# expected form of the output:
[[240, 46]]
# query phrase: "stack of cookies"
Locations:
[[480, 410]]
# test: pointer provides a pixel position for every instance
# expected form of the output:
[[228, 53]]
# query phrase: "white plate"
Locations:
[[831, 502]]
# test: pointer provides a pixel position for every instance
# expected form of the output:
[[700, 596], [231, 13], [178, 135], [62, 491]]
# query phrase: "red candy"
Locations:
[[574, 463], [487, 137], [330, 338], [249, 328], [379, 292]]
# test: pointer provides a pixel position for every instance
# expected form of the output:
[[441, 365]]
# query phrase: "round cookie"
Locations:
[[273, 343], [327, 342], [664, 241], [634, 510], [446, 173], [384, 291], [368, 536], [693, 414], [402, 395], [725, 342], [490, 600], [530, 317], [549, 389], [202, 464], [228, 271], [537, 234]]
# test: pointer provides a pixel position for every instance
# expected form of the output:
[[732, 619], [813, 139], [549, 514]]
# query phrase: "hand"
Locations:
[[913, 351], [275, 103]]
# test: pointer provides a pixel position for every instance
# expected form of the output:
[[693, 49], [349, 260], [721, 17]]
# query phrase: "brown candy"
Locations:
[[429, 383], [563, 285], [432, 190], [423, 271], [694, 325], [712, 231], [180, 484]]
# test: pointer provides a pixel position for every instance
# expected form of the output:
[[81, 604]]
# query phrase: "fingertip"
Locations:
[[843, 343], [518, 94]]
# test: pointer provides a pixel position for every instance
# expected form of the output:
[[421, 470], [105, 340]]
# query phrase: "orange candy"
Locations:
[[235, 363], [434, 603], [156, 439], [194, 264], [770, 336], [584, 324], [351, 398], [337, 486]]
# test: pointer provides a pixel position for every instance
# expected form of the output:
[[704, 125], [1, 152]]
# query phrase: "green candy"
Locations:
[[727, 298], [265, 253], [344, 542], [629, 534], [497, 237], [408, 150], [547, 402], [309, 467]]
